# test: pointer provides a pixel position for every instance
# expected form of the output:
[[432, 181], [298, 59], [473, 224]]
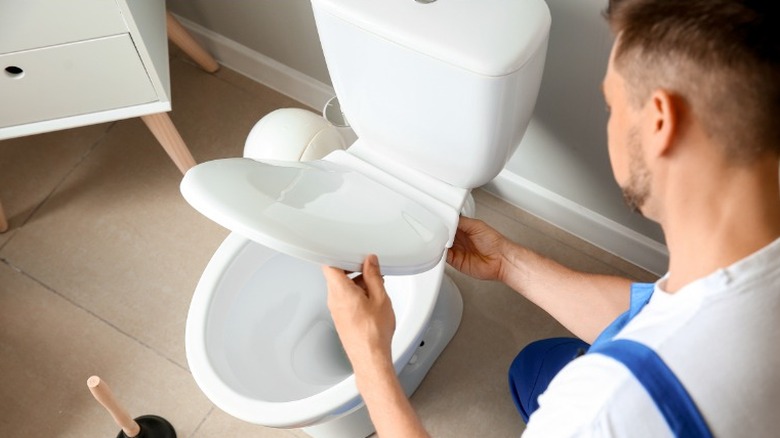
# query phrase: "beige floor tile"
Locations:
[[48, 349], [31, 167], [117, 238], [220, 424]]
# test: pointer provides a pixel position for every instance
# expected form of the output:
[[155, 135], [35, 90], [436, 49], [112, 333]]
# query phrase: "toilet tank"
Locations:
[[446, 87]]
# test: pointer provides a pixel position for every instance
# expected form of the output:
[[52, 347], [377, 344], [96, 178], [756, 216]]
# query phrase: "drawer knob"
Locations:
[[14, 72]]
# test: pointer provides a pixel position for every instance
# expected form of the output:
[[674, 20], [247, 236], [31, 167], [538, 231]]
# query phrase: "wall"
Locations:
[[562, 166], [283, 30], [561, 169]]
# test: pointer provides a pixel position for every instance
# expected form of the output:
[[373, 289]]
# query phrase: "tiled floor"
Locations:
[[98, 269]]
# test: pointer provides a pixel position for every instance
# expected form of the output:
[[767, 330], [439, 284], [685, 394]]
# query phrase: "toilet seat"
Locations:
[[333, 211]]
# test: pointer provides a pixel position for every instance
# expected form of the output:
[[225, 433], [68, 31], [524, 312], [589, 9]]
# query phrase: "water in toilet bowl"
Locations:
[[277, 327]]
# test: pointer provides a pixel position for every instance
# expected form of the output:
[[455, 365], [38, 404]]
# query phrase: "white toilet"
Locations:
[[439, 94]]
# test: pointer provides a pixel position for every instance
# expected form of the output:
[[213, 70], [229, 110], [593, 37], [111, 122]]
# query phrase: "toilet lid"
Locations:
[[319, 211]]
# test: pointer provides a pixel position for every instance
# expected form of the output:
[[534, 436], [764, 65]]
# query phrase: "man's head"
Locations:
[[716, 63]]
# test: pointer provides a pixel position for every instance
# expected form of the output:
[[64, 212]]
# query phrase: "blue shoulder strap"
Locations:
[[664, 388], [640, 295]]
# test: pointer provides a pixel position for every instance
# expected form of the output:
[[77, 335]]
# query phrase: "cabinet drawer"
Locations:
[[33, 24], [72, 79]]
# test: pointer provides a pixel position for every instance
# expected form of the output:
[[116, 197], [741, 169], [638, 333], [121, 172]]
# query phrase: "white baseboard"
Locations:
[[580, 221], [561, 212], [261, 68]]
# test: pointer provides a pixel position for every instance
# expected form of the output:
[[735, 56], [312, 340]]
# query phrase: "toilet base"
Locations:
[[445, 320], [353, 425]]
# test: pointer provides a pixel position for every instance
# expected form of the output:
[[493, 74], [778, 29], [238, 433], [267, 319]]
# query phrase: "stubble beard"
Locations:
[[637, 190]]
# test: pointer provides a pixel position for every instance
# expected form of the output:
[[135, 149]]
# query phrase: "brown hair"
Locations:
[[722, 57]]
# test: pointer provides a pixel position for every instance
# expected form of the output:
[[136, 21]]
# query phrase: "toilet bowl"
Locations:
[[438, 103], [262, 346]]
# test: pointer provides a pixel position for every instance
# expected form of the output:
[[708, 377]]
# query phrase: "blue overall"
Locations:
[[536, 365]]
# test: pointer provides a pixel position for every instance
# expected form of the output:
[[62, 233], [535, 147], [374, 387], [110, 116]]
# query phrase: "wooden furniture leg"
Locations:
[[162, 127], [179, 36], [3, 220]]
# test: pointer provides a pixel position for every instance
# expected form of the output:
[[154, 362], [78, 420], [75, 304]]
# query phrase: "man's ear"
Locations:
[[663, 118]]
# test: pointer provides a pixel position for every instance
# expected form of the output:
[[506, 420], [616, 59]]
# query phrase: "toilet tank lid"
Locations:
[[318, 211], [487, 37]]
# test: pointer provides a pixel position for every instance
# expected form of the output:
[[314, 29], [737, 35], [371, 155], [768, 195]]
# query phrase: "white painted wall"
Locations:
[[570, 119], [561, 170], [283, 30]]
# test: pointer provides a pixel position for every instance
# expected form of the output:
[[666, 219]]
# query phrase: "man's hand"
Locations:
[[478, 250], [365, 322], [362, 313]]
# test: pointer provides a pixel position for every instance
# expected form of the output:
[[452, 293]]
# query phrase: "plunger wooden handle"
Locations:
[[102, 393]]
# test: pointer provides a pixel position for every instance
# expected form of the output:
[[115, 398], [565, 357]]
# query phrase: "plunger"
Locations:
[[145, 426]]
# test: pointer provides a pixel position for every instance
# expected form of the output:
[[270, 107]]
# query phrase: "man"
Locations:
[[694, 142]]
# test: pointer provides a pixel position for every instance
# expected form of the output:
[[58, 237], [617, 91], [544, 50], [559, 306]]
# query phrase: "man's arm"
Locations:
[[365, 322], [390, 410], [583, 303]]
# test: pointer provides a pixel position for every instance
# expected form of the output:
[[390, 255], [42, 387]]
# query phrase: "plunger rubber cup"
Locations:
[[152, 426]]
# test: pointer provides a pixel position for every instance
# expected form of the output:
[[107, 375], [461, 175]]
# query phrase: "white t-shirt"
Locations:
[[720, 335]]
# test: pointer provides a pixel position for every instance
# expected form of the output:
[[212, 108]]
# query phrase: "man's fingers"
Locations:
[[370, 280], [335, 277], [372, 275], [360, 281]]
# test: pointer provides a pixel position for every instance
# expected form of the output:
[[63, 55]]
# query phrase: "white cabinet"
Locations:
[[72, 79], [78, 62], [31, 24], [68, 63]]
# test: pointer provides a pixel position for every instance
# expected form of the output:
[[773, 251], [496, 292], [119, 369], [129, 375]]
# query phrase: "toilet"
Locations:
[[439, 94]]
